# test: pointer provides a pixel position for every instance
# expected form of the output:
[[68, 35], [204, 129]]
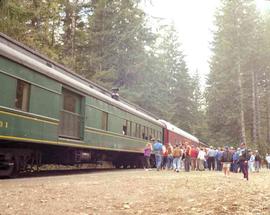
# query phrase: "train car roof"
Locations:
[[204, 144], [23, 55], [179, 131]]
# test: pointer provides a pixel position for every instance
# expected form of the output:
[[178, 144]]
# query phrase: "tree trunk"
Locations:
[[254, 110], [242, 116], [268, 108]]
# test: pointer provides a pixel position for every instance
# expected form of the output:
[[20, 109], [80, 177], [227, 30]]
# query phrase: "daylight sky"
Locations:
[[194, 22]]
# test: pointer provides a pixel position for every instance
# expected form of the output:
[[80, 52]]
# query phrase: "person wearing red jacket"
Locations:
[[187, 157], [193, 157]]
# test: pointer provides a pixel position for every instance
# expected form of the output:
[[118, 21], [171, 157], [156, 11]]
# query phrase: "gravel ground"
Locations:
[[137, 192]]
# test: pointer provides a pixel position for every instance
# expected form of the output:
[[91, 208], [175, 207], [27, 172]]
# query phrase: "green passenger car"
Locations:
[[49, 114]]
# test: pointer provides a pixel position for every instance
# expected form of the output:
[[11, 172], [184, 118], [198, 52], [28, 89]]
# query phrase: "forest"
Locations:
[[115, 44]]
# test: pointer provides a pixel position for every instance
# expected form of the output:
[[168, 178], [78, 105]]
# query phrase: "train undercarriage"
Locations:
[[16, 158]]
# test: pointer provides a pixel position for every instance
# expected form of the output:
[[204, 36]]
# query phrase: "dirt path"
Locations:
[[137, 192]]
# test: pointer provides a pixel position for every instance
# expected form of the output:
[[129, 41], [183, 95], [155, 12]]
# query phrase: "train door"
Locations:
[[71, 115]]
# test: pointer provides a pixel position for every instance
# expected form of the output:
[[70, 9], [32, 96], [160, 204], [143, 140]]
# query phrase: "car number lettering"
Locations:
[[3, 124]]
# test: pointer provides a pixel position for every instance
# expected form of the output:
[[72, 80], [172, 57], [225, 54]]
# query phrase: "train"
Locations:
[[51, 115]]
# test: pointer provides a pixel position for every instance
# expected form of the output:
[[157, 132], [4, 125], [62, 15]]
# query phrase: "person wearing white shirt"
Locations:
[[201, 159]]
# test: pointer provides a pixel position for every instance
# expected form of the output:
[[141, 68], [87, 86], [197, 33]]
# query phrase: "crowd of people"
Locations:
[[186, 157]]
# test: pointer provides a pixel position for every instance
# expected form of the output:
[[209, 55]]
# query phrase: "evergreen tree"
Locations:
[[117, 38], [229, 82]]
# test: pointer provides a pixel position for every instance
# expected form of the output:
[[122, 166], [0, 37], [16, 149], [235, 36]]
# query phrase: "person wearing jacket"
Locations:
[[158, 151], [257, 161], [243, 160], [226, 160], [147, 154]]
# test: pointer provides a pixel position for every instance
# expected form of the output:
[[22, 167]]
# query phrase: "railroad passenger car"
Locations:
[[175, 135], [48, 114]]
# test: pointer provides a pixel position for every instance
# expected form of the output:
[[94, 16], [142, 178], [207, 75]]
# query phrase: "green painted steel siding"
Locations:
[[113, 138], [7, 91], [27, 128], [117, 117], [44, 92], [24, 73], [93, 118], [115, 124], [108, 140], [44, 102]]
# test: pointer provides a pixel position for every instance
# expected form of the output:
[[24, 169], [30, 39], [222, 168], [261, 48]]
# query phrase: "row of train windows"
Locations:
[[136, 130], [72, 106]]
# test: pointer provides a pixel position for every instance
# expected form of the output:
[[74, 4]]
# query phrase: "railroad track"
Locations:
[[62, 172]]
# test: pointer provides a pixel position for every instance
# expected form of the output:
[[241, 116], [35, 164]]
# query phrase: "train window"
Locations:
[[139, 131], [22, 95], [133, 129], [142, 132], [130, 129], [71, 101], [127, 124], [104, 121], [124, 130]]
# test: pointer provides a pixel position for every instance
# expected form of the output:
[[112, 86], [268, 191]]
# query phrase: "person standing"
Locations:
[[267, 158], [243, 160], [251, 162], [169, 164], [257, 161], [201, 159], [157, 148], [236, 160], [177, 154], [147, 154], [187, 157], [211, 154], [218, 158], [193, 156], [226, 160]]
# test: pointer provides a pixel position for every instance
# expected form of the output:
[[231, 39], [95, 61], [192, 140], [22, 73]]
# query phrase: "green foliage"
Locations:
[[239, 54]]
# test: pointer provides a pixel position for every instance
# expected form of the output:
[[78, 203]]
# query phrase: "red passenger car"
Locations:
[[175, 135]]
